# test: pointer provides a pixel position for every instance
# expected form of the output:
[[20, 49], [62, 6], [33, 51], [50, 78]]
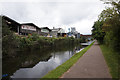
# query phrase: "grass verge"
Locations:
[[56, 73], [111, 58]]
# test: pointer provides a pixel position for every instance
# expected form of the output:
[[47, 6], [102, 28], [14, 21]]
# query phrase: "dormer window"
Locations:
[[8, 22]]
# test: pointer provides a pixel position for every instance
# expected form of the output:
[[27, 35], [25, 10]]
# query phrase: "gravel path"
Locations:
[[91, 65]]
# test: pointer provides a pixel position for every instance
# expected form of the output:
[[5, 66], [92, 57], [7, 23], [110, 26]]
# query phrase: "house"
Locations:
[[12, 24], [58, 32], [45, 31], [21, 29], [54, 32], [61, 33], [29, 28]]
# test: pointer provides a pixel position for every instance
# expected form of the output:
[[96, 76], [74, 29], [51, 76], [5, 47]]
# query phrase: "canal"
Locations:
[[37, 63]]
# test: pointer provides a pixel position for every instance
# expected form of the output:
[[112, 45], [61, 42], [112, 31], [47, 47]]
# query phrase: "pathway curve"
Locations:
[[91, 65]]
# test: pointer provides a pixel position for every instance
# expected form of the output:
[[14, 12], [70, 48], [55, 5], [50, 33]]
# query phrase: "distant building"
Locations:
[[21, 29], [13, 25], [73, 30], [78, 35], [29, 28], [54, 32], [45, 31], [61, 33], [58, 32], [26, 28], [73, 33], [89, 37]]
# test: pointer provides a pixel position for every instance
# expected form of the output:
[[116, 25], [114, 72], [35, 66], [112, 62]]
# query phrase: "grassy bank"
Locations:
[[56, 73], [111, 58]]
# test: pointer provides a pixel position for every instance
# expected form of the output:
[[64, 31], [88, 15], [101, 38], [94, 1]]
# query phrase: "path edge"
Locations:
[[61, 69]]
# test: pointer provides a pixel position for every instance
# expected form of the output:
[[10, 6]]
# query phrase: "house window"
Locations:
[[45, 30], [26, 27]]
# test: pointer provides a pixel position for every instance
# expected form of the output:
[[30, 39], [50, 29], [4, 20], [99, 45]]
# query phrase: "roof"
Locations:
[[55, 29], [45, 28], [31, 24], [11, 20]]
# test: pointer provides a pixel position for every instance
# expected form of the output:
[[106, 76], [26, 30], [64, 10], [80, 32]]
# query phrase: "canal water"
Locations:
[[37, 63]]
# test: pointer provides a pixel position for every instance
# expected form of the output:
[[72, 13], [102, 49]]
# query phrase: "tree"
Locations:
[[108, 25], [97, 31], [9, 41]]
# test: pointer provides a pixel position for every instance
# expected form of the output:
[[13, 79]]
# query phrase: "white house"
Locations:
[[55, 32]]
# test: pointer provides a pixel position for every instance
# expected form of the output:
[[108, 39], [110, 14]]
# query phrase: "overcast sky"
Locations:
[[54, 13]]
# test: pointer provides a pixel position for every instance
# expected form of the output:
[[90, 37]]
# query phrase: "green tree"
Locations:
[[108, 25], [9, 41], [97, 31]]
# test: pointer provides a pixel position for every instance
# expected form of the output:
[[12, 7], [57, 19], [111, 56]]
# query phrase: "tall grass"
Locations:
[[112, 59]]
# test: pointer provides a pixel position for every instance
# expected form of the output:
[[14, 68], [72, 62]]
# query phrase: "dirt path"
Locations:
[[91, 65]]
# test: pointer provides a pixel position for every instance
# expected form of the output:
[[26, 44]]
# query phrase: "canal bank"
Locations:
[[56, 73], [91, 65], [37, 63]]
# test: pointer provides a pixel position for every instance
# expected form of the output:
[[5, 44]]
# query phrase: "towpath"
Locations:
[[91, 65]]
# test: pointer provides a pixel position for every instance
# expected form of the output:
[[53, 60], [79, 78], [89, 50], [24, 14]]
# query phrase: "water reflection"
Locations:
[[43, 67], [29, 65]]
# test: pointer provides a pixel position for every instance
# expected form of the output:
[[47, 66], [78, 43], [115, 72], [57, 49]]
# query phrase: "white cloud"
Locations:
[[55, 13]]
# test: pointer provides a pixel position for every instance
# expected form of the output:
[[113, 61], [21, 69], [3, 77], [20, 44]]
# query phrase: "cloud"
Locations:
[[15, 10], [55, 13]]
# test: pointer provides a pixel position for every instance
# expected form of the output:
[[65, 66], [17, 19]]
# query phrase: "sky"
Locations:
[[65, 14]]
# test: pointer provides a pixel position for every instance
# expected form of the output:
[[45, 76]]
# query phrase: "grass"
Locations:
[[111, 58], [56, 73]]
